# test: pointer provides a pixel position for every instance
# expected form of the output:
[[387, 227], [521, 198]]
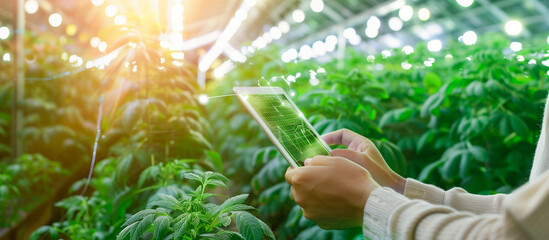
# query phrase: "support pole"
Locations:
[[19, 77]]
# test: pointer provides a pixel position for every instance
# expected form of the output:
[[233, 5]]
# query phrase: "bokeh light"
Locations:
[[317, 5], [465, 3], [31, 6], [111, 10], [4, 33], [298, 15], [423, 14], [120, 20], [71, 29], [515, 46], [55, 20], [395, 24], [513, 27], [469, 38], [434, 45], [405, 13]]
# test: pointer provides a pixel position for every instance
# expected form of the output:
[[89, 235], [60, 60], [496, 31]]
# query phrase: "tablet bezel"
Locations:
[[242, 91]]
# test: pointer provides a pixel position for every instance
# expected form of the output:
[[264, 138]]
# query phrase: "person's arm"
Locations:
[[524, 215], [363, 152], [456, 198]]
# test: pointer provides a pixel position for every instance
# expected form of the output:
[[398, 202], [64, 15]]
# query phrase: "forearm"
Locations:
[[456, 198], [389, 215]]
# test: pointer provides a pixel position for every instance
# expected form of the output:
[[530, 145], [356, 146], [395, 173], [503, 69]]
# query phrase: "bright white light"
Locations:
[[97, 2], [349, 33], [371, 58], [6, 57], [178, 55], [513, 27], [73, 58], [55, 20], [241, 14], [275, 33], [292, 53], [305, 52], [408, 50], [284, 26], [465, 3], [516, 46], [371, 32], [449, 57], [31, 6], [120, 20], [520, 58], [423, 14], [373, 22], [434, 45], [406, 65], [395, 24], [318, 48], [545, 63], [90, 64], [547, 40], [317, 5], [331, 40], [298, 15], [203, 99], [314, 81], [4, 33], [102, 47], [469, 38], [355, 40], [405, 13], [111, 10], [532, 61], [321, 70], [267, 37], [385, 53]]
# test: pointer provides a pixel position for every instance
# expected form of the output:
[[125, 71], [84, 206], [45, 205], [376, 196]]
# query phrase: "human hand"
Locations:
[[363, 152], [332, 191]]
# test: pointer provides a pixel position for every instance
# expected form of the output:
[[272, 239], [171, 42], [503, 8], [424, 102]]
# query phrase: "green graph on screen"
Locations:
[[288, 126]]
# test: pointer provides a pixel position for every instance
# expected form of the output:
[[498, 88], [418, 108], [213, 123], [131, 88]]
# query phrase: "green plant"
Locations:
[[189, 217]]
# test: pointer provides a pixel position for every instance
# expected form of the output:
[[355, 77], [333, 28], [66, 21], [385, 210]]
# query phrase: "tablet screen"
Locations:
[[288, 125]]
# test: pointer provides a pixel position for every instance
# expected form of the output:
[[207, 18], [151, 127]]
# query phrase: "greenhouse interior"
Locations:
[[273, 119]]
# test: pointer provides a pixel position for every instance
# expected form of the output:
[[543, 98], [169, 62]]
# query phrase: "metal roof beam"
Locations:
[[499, 14]]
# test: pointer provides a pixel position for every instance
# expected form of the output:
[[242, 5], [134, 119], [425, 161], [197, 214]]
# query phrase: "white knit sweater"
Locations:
[[428, 212]]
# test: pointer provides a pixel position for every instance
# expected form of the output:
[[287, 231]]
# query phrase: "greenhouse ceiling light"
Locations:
[[31, 6], [405, 13], [355, 40], [317, 5], [298, 15], [469, 38], [395, 24], [434, 45], [275, 33], [95, 41], [424, 14], [55, 20], [513, 27], [120, 20], [465, 3], [4, 33], [332, 40], [547, 40], [206, 60]]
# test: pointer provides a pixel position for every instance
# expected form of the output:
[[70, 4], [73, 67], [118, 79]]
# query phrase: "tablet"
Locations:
[[284, 124]]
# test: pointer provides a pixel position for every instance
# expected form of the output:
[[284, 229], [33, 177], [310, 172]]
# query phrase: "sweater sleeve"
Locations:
[[524, 215], [456, 198]]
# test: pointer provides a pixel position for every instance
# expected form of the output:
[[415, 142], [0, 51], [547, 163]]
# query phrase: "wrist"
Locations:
[[399, 185]]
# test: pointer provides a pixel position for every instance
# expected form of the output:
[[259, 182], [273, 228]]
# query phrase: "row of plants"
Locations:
[[159, 176], [467, 116]]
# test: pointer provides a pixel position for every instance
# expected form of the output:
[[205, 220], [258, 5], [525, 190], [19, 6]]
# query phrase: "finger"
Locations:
[[342, 136], [320, 161], [354, 156], [289, 175], [307, 162]]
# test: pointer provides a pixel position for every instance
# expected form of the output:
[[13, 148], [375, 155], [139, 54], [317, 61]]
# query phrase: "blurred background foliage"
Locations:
[[467, 116]]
